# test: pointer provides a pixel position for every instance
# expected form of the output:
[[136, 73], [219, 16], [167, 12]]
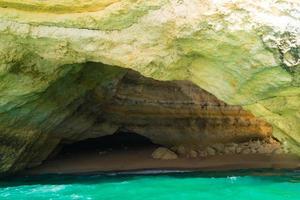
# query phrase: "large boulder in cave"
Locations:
[[222, 66]]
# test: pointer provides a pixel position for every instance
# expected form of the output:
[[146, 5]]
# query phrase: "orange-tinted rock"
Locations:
[[178, 112]]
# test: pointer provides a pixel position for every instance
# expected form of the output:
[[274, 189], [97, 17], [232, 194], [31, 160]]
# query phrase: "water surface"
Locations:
[[212, 186]]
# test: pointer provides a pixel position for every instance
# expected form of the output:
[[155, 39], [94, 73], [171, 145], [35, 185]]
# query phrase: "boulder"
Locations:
[[219, 147], [163, 153], [238, 150], [210, 151], [255, 144], [181, 150], [229, 150], [202, 154], [193, 154], [246, 151]]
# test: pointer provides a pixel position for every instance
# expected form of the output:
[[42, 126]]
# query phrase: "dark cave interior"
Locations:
[[117, 141]]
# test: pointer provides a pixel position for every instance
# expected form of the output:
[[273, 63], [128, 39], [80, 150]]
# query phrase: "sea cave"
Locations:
[[96, 96]]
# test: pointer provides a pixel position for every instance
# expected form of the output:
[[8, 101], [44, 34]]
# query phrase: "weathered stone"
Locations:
[[234, 145], [102, 153], [278, 151], [254, 144], [164, 154], [210, 151], [230, 149], [219, 147], [246, 151], [202, 154], [193, 154], [253, 151], [239, 150], [181, 150]]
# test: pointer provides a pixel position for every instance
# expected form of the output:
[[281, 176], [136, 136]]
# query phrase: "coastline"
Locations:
[[140, 161]]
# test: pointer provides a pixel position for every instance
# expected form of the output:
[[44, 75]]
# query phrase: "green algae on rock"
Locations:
[[244, 53]]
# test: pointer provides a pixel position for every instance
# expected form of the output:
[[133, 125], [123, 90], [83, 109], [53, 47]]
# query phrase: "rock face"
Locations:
[[170, 113], [177, 112], [58, 80]]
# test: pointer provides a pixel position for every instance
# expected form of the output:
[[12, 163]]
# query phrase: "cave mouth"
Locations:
[[120, 141]]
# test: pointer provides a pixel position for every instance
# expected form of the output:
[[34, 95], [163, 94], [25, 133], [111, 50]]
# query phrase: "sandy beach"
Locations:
[[139, 158]]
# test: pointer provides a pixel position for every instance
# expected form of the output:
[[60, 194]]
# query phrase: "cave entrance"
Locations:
[[116, 143], [120, 151]]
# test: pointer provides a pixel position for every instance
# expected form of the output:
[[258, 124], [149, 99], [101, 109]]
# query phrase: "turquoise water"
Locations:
[[241, 186]]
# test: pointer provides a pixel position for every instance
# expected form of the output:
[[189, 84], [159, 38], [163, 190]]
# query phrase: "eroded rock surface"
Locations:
[[267, 146], [170, 113], [244, 53], [178, 112]]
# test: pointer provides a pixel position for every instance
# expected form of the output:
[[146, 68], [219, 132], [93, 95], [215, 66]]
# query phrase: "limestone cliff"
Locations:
[[244, 53]]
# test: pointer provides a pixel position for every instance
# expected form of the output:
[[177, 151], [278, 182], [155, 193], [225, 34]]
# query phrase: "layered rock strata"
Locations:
[[178, 112]]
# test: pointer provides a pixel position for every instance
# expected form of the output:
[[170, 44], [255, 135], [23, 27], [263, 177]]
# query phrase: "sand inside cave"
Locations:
[[139, 158]]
